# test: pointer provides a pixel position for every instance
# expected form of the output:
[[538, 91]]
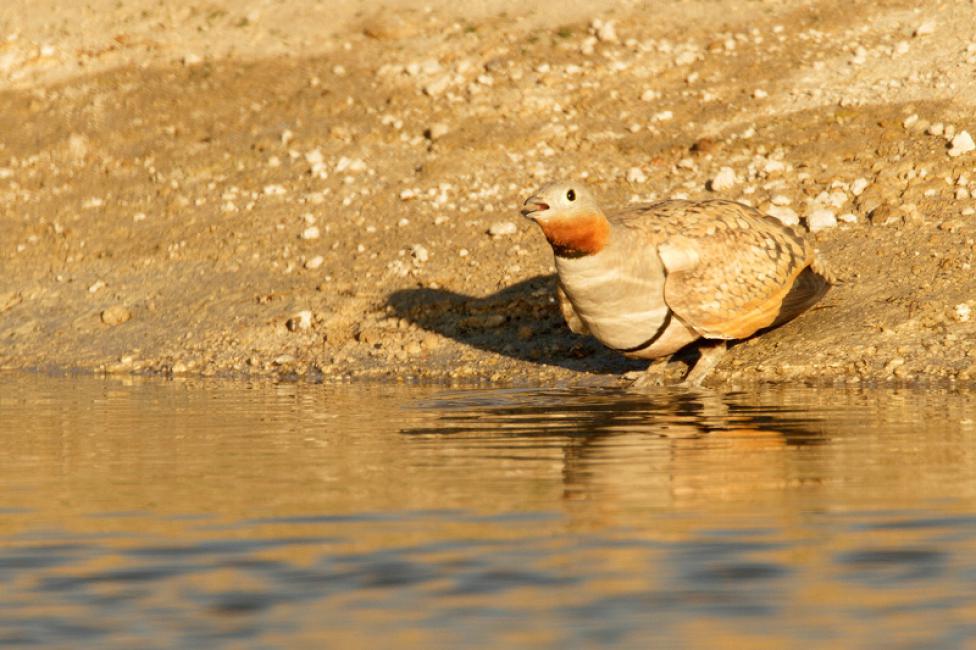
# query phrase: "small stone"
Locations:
[[431, 341], [314, 263], [773, 167], [283, 360], [97, 286], [635, 175], [858, 186], [927, 27], [606, 31], [935, 129], [910, 121], [312, 232], [787, 216], [962, 312], [420, 253], [723, 180], [759, 93], [502, 229], [389, 26], [821, 219], [438, 85], [848, 217], [412, 348], [301, 320], [961, 143], [116, 315], [436, 131]]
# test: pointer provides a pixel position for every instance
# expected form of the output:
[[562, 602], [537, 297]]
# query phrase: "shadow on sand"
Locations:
[[521, 321]]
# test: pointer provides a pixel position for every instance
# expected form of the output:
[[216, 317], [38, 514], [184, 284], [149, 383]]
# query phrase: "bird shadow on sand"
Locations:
[[521, 321]]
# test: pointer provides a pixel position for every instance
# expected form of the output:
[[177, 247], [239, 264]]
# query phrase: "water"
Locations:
[[207, 514]]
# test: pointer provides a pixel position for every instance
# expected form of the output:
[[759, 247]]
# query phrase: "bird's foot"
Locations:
[[711, 352], [655, 375]]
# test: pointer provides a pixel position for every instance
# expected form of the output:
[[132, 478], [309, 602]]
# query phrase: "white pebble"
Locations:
[[502, 229], [312, 232], [935, 129], [821, 220], [759, 93], [962, 312], [961, 143], [274, 190], [723, 180], [420, 253], [848, 217], [649, 95], [910, 121], [403, 222], [314, 263], [438, 85], [663, 116], [858, 186], [774, 167], [99, 284], [787, 216], [437, 130], [927, 27], [635, 175], [301, 320], [463, 252], [605, 31]]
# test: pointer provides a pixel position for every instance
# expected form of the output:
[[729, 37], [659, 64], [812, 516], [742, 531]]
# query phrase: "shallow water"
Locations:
[[202, 514]]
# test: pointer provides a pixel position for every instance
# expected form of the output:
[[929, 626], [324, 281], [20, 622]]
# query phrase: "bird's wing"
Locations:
[[575, 323], [730, 269]]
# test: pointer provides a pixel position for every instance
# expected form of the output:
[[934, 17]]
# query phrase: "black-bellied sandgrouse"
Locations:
[[648, 280]]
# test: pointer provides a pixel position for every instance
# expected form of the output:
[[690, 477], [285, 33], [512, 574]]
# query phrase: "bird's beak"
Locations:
[[532, 205]]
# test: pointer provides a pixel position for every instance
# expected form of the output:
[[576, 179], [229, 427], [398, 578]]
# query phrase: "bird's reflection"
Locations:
[[626, 448]]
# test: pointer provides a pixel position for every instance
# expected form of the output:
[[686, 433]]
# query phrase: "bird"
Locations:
[[648, 280]]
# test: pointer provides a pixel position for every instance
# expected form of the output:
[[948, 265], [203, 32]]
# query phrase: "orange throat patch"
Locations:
[[577, 236]]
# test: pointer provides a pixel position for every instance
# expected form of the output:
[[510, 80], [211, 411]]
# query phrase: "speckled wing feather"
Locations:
[[729, 267]]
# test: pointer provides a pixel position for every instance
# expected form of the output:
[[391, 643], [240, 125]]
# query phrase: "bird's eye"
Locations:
[[571, 195]]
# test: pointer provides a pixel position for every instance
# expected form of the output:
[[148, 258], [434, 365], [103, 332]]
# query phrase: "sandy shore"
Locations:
[[331, 190]]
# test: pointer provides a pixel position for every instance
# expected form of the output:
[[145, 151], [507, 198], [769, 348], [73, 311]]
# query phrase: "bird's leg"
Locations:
[[653, 375], [711, 353]]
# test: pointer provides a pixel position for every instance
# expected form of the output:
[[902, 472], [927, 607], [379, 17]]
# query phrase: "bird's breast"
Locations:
[[619, 297]]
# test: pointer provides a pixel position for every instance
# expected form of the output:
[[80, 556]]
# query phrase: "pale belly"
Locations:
[[624, 308]]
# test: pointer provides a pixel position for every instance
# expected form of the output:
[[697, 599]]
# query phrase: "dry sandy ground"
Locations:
[[303, 188]]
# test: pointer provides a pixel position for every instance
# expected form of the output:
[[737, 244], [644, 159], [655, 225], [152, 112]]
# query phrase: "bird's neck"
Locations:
[[577, 236]]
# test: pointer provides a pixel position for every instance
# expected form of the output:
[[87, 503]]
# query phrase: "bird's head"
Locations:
[[570, 218]]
